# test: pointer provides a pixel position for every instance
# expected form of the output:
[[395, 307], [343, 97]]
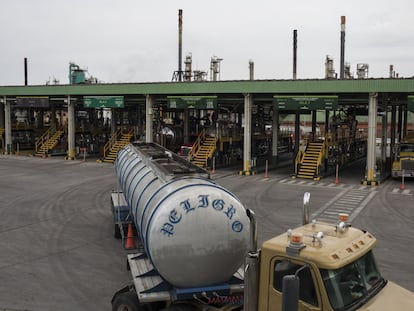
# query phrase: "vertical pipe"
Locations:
[[180, 44], [400, 117], [393, 124], [186, 126], [247, 154], [52, 117], [384, 140], [113, 121], [295, 50], [391, 71], [251, 275], [297, 133], [404, 130], [2, 101], [372, 129], [314, 136], [71, 129], [342, 70], [25, 71], [275, 137], [326, 137], [148, 119]]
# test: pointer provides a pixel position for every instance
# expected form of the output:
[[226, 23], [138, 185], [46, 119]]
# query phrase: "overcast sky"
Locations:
[[137, 40]]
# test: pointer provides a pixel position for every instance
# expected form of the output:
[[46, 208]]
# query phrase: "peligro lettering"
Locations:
[[177, 214]]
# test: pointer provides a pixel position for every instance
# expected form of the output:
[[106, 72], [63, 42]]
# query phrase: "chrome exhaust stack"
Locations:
[[305, 211], [251, 269]]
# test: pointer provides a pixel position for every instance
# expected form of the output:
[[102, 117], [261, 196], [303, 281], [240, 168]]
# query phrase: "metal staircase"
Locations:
[[309, 162], [118, 141], [203, 150], [47, 141]]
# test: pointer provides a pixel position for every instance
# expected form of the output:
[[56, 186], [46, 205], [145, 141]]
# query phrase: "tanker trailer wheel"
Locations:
[[127, 301]]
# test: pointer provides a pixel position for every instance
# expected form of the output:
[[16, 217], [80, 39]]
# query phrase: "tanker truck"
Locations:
[[198, 249]]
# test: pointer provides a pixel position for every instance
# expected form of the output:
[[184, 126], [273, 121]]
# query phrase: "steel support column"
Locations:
[[275, 137], [148, 119], [7, 127], [370, 173], [326, 132], [186, 131], [297, 133], [314, 136], [405, 121], [247, 142], [113, 121], [400, 121], [71, 130], [52, 116], [384, 144], [393, 125], [2, 115]]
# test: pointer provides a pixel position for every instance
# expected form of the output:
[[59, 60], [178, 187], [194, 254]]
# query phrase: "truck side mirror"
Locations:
[[290, 293]]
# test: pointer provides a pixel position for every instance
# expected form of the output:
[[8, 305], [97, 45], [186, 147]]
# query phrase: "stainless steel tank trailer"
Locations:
[[194, 234]]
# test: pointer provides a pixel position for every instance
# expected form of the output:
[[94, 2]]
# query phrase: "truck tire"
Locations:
[[127, 301]]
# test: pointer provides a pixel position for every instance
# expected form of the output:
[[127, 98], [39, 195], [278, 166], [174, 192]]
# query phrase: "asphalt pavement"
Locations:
[[56, 229]]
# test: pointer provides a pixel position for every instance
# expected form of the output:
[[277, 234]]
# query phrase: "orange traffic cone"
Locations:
[[130, 243]]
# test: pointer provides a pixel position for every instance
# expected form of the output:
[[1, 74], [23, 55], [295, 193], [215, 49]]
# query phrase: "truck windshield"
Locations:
[[353, 283]]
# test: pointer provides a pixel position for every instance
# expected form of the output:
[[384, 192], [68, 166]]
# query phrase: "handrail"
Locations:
[[133, 132], [321, 153], [197, 145], [111, 142], [299, 155], [213, 149], [298, 160], [44, 137]]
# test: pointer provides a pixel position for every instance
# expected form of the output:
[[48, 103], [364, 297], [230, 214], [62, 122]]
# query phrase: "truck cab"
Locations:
[[403, 165], [335, 266]]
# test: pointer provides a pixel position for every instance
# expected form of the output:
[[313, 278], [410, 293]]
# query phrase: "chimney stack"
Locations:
[[295, 50], [180, 44], [25, 71], [342, 69]]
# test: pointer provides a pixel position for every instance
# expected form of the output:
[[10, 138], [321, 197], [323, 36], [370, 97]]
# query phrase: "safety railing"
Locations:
[[320, 157], [298, 160], [42, 139], [111, 142], [197, 145]]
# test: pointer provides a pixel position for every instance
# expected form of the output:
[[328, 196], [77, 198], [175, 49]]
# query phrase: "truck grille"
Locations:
[[407, 164]]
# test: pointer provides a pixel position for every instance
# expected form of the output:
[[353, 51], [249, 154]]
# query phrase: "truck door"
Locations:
[[309, 295]]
